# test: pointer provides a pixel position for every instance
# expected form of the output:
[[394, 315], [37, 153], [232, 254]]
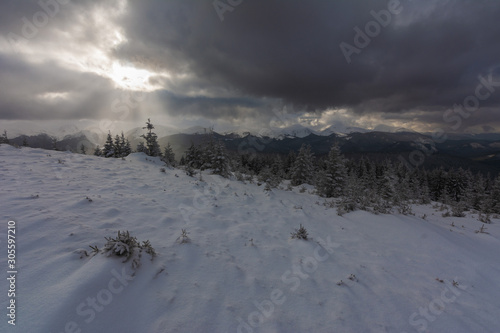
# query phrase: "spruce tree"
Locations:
[[125, 146], [118, 147], [332, 179], [289, 162], [424, 193], [219, 160], [109, 147], [491, 203], [97, 151], [387, 185], [168, 155], [193, 157], [207, 153], [4, 138], [302, 170], [54, 143], [352, 194], [278, 168], [83, 150], [152, 146]]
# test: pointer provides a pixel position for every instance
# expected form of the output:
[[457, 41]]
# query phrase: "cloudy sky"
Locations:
[[420, 65]]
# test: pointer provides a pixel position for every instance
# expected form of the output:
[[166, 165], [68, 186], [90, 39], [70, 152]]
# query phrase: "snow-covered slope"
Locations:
[[241, 272]]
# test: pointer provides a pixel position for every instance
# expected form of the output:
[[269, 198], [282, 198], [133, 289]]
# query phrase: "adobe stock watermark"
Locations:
[[31, 27], [89, 308], [454, 116], [292, 279], [221, 7], [420, 320], [373, 28]]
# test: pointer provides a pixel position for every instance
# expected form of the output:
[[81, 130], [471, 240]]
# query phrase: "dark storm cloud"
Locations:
[[429, 56], [426, 59], [211, 108]]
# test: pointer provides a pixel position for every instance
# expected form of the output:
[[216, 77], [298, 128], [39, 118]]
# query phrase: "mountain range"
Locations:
[[479, 152]]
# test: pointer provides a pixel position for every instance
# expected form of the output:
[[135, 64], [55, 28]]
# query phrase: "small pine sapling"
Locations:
[[183, 238], [300, 233], [126, 246], [146, 245], [122, 246]]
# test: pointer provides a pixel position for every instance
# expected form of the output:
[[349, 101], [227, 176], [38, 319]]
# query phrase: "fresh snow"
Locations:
[[241, 271]]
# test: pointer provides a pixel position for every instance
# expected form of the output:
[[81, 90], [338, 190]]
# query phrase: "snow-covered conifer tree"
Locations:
[[168, 155], [109, 147], [153, 148], [491, 203], [219, 160], [4, 138], [303, 170], [83, 150], [331, 181], [54, 143], [193, 157], [125, 146], [118, 147], [352, 194], [97, 151]]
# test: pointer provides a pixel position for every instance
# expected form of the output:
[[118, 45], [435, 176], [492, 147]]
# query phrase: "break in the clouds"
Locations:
[[415, 64]]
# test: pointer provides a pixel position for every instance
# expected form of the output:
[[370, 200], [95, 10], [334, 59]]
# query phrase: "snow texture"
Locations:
[[240, 270]]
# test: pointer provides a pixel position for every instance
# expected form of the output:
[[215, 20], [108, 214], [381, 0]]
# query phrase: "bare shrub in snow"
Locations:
[[482, 230]]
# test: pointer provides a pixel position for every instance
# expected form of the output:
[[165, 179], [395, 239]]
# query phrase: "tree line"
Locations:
[[362, 184], [378, 186]]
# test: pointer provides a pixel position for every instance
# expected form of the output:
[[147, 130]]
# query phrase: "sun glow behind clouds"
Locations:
[[130, 78], [88, 47]]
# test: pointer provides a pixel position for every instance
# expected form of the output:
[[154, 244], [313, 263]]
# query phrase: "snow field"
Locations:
[[240, 272]]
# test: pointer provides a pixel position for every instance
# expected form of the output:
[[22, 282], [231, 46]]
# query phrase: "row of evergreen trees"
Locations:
[[378, 186], [361, 184], [119, 147], [212, 156]]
